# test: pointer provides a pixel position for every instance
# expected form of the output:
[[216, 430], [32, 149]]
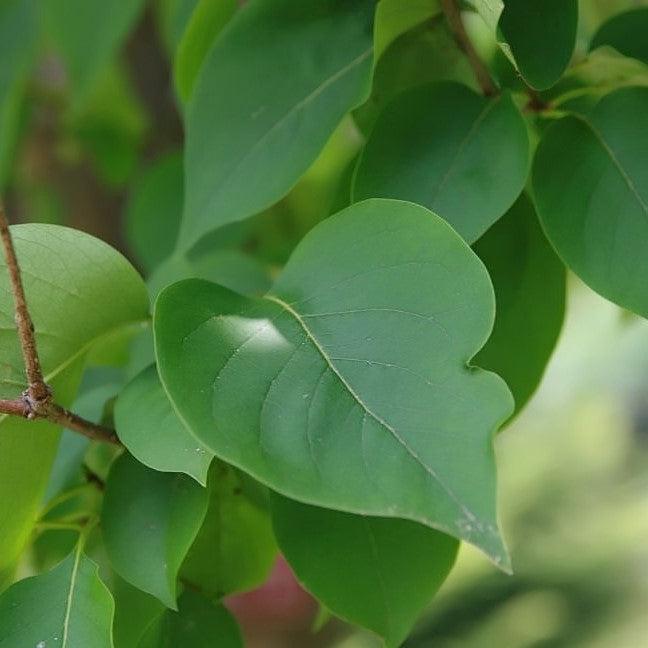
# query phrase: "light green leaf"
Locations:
[[153, 433], [529, 282], [235, 548], [67, 607], [198, 623], [79, 290], [88, 35], [154, 211], [149, 520], [252, 129], [537, 35], [207, 21], [393, 18], [626, 32], [445, 147], [590, 184], [348, 385], [18, 31], [392, 568]]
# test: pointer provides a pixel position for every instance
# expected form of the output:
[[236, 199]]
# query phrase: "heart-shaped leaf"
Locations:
[[67, 607], [392, 568], [590, 184], [264, 106], [445, 147], [348, 385]]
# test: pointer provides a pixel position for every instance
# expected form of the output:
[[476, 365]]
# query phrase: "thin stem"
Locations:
[[38, 390], [453, 16]]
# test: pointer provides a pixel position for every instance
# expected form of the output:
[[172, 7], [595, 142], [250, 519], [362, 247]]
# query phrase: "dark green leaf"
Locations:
[[68, 607], [445, 147], [348, 385], [529, 281], [253, 128], [149, 520], [151, 430], [235, 548], [626, 32], [392, 568], [590, 184], [198, 623]]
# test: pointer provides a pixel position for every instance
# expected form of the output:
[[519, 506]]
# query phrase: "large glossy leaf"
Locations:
[[529, 281], [68, 607], [79, 291], [537, 35], [392, 568], [88, 35], [235, 548], [153, 433], [207, 21], [626, 32], [445, 147], [198, 623], [18, 31], [271, 91], [149, 520], [348, 385], [590, 184]]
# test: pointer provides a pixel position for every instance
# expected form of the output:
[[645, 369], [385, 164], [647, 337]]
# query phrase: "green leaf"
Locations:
[[148, 426], [626, 32], [252, 129], [394, 18], [79, 291], [235, 548], [590, 184], [68, 607], [445, 147], [88, 35], [348, 385], [149, 520], [18, 31], [207, 21], [392, 568], [537, 35], [529, 281], [198, 623]]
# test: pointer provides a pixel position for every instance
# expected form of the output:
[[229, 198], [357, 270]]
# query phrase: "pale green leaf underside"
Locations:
[[151, 430], [67, 607], [348, 385], [590, 184], [392, 568], [263, 107], [149, 520]]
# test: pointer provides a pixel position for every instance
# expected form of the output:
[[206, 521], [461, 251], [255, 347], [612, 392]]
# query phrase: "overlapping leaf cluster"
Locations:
[[356, 274]]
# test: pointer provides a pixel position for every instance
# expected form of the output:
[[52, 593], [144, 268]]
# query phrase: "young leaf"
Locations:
[[73, 25], [529, 281], [207, 21], [67, 607], [253, 128], [198, 623], [235, 548], [392, 568], [79, 291], [537, 35], [590, 184], [148, 426], [626, 32], [445, 147], [149, 520], [348, 385]]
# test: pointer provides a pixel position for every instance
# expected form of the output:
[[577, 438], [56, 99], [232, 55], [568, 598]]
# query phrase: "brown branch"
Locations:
[[453, 16], [37, 401]]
